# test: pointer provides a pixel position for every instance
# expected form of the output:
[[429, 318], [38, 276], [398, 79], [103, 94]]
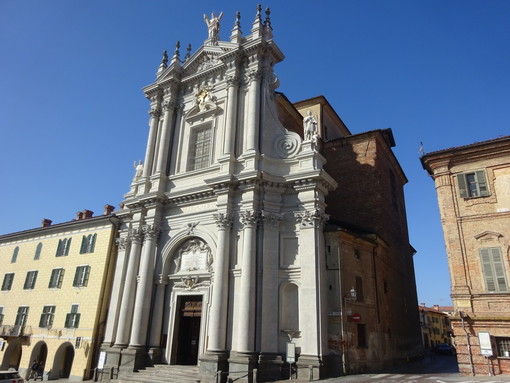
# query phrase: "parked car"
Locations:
[[10, 377], [445, 349]]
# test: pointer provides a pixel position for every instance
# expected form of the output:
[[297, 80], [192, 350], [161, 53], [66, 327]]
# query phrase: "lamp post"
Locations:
[[349, 297]]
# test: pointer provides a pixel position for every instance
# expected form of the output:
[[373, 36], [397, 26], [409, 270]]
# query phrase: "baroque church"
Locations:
[[259, 237]]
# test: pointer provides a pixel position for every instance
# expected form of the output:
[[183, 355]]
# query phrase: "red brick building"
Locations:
[[473, 190]]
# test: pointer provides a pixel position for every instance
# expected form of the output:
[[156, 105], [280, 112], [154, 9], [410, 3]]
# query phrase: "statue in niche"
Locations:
[[138, 170], [213, 26], [310, 126]]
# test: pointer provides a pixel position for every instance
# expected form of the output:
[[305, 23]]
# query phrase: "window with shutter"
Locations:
[[47, 316], [73, 318], [88, 243], [7, 283], [57, 276], [493, 269], [38, 250], [15, 255], [30, 280], [21, 316], [81, 276], [63, 247], [472, 184]]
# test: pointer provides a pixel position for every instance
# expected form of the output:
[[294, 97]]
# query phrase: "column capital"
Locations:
[[223, 220], [155, 112], [169, 105], [136, 234], [315, 218], [233, 80], [249, 218], [123, 242], [151, 232], [271, 219]]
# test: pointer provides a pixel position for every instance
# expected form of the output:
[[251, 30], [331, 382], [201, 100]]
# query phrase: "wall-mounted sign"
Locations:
[[484, 339], [356, 317], [291, 352]]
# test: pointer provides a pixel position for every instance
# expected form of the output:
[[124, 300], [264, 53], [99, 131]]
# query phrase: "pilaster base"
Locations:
[[270, 367], [242, 367], [154, 356], [214, 363], [112, 356], [310, 367]]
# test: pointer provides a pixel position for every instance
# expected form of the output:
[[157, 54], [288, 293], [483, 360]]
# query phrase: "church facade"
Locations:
[[241, 248]]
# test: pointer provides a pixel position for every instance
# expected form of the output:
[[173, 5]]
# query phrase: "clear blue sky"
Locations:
[[73, 117]]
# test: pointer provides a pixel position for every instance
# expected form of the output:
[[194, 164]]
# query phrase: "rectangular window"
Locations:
[[30, 280], [63, 247], [57, 276], [88, 243], [1, 316], [200, 148], [7, 283], [73, 318], [81, 277], [47, 316], [21, 316], [15, 255], [362, 336], [503, 345], [472, 184], [38, 250], [493, 269]]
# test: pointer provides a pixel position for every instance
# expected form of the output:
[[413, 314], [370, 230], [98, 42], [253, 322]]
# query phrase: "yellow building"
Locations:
[[435, 326], [55, 284]]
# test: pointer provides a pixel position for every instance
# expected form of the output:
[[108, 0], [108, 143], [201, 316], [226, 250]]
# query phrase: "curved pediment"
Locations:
[[488, 236]]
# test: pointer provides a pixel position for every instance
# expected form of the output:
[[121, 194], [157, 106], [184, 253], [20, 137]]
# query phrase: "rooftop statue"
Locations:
[[213, 26]]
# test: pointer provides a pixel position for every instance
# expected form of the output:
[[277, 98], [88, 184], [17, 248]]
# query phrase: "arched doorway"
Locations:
[[12, 356], [63, 362], [39, 354]]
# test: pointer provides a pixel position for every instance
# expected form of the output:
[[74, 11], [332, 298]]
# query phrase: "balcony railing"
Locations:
[[15, 330]]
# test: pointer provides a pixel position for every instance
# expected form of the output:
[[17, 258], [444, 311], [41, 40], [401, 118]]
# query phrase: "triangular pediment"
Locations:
[[207, 57]]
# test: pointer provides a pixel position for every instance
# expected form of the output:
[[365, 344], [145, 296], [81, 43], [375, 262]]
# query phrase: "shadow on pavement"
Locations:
[[430, 364]]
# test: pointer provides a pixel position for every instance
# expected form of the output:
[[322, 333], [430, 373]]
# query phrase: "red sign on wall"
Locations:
[[356, 317]]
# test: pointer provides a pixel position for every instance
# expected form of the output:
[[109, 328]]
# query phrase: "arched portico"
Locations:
[[63, 362], [12, 355]]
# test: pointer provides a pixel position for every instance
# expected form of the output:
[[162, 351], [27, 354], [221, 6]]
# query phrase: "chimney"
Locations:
[[436, 307], [46, 222], [108, 209], [422, 304], [84, 214]]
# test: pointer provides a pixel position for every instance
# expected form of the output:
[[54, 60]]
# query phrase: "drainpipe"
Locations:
[[468, 344]]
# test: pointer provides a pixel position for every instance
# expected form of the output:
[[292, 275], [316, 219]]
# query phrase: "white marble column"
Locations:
[[117, 290], [219, 310], [144, 290], [151, 143], [231, 119], [270, 293], [246, 323], [312, 316], [166, 135], [128, 296], [253, 112], [157, 311]]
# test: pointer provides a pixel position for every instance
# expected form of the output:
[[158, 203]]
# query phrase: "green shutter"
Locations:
[[86, 276], [482, 182], [59, 248], [461, 181], [52, 279], [93, 243], [83, 247], [499, 269], [68, 320], [77, 320], [60, 278], [27, 281], [76, 276], [68, 246], [487, 270]]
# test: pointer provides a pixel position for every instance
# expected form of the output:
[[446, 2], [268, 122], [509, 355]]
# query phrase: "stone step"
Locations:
[[163, 373]]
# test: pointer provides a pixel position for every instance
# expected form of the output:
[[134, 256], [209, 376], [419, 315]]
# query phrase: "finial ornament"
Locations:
[[164, 60], [188, 52], [259, 9], [267, 21], [238, 20], [213, 27]]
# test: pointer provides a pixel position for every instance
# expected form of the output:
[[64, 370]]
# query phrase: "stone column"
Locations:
[[253, 112], [312, 315], [128, 296], [231, 119], [157, 318], [144, 290], [218, 315], [166, 137], [246, 323], [269, 360], [151, 142], [117, 289]]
